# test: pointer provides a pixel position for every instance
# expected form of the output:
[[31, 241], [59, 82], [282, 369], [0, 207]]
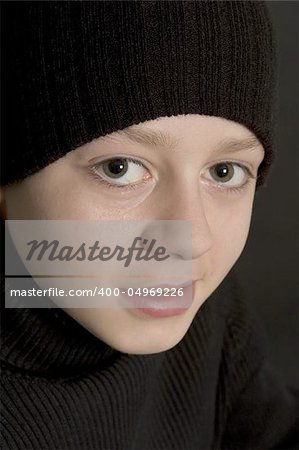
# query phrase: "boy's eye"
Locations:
[[121, 171], [229, 174], [125, 172]]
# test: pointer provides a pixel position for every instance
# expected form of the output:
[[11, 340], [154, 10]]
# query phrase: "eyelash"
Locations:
[[232, 190]]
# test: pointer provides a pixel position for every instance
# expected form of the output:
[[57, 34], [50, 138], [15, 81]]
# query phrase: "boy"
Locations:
[[141, 111]]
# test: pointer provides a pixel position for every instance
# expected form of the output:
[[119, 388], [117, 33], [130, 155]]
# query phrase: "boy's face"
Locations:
[[176, 181]]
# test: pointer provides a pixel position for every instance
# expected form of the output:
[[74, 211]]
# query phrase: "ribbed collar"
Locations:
[[48, 341]]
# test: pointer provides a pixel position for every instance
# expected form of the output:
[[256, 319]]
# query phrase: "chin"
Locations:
[[144, 349], [129, 334], [148, 343]]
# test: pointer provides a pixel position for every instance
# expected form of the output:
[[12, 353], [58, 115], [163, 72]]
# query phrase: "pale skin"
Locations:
[[176, 182]]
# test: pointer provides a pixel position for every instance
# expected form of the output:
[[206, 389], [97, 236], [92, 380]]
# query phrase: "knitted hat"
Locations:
[[73, 71]]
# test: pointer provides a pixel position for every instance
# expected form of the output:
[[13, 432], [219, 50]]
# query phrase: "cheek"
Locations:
[[18, 203], [53, 195], [68, 194], [230, 232], [30, 200]]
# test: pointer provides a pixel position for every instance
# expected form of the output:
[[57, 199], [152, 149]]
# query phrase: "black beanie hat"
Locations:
[[73, 71]]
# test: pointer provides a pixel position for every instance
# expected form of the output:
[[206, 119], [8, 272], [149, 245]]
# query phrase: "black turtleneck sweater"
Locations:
[[62, 388]]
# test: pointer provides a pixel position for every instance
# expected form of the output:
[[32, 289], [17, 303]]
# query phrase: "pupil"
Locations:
[[116, 168], [222, 170]]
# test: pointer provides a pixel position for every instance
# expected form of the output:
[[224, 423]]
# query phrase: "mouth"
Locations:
[[160, 300], [169, 285]]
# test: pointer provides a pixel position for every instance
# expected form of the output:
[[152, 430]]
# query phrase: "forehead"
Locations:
[[171, 132]]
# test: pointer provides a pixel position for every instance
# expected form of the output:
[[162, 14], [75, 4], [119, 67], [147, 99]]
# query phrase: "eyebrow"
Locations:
[[164, 141]]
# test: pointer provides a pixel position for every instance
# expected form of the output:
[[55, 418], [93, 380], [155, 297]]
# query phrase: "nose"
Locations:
[[185, 203]]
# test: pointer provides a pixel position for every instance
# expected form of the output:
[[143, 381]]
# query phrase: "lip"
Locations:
[[158, 306], [164, 285]]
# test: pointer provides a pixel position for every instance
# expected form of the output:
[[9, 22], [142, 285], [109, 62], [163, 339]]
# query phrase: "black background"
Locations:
[[268, 268]]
